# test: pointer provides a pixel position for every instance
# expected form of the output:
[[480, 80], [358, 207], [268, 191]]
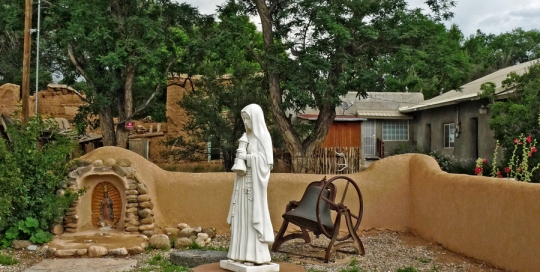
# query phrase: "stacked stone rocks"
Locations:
[[183, 236], [139, 215]]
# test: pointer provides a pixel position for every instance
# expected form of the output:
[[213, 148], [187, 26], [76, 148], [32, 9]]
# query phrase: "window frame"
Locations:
[[449, 135], [396, 126]]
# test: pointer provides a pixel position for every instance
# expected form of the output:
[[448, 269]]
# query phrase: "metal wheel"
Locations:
[[347, 192]]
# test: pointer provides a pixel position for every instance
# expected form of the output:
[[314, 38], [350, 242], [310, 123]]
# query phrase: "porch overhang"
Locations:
[[339, 118], [382, 114]]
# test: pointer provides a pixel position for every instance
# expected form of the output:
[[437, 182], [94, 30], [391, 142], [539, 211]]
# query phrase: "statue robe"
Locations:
[[251, 227]]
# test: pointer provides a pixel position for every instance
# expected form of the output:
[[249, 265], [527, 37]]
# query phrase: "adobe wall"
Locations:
[[489, 219], [177, 118], [203, 198], [57, 100], [9, 98]]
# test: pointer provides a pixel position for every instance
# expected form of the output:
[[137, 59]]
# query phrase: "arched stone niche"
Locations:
[[115, 198], [89, 208]]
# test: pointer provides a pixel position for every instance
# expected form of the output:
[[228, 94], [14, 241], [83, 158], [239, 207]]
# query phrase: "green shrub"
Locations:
[[7, 260], [405, 147], [33, 166], [452, 165]]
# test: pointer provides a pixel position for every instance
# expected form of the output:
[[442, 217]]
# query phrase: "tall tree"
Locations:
[[489, 52], [231, 80], [123, 50], [520, 113], [335, 46]]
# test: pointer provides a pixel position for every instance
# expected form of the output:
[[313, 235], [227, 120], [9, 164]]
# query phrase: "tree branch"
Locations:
[[80, 96], [79, 67], [156, 91], [256, 56]]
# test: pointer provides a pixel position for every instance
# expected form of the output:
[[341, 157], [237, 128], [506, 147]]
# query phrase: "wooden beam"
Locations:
[[147, 135], [26, 60]]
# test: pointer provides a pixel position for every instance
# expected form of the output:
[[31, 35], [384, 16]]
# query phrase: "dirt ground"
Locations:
[[385, 251]]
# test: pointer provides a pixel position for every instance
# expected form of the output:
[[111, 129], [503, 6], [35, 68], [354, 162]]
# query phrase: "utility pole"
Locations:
[[26, 60]]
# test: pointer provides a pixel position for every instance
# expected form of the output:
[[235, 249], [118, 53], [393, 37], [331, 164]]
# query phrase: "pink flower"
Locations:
[[519, 169], [478, 170], [516, 141], [507, 169], [529, 138], [484, 160], [533, 149], [499, 174], [530, 154]]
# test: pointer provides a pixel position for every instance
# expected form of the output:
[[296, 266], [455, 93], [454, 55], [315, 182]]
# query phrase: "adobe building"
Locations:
[[62, 103]]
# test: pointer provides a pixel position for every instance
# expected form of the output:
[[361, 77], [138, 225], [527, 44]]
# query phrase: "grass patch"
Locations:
[[353, 267], [407, 269], [220, 248], [159, 263], [7, 260]]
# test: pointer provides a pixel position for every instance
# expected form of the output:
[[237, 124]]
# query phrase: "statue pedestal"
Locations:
[[239, 267]]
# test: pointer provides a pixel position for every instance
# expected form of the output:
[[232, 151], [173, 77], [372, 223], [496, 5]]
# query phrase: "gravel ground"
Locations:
[[385, 251]]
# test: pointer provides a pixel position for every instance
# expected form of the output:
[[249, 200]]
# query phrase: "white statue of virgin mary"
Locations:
[[251, 228]]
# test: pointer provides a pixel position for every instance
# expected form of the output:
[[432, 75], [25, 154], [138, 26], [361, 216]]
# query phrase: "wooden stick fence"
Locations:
[[334, 160]]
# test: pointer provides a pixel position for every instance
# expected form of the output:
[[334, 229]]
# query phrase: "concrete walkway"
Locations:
[[83, 265]]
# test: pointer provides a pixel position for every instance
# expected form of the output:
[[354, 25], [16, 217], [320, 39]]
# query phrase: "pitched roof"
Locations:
[[470, 90], [374, 106]]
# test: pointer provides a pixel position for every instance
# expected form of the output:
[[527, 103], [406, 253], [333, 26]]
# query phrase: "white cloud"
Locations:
[[490, 16]]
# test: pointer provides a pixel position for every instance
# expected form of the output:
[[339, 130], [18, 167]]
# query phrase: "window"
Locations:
[[449, 134], [395, 130]]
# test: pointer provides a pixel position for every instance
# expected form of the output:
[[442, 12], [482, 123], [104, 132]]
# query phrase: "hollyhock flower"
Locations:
[[513, 169], [478, 170]]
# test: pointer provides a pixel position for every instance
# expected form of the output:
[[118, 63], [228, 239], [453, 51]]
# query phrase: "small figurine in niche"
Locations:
[[251, 228], [106, 217]]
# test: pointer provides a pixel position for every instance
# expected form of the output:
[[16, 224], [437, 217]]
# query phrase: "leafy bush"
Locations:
[[28, 228], [33, 166], [405, 147], [452, 165]]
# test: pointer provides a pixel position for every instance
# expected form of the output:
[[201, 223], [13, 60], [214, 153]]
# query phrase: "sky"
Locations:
[[490, 16]]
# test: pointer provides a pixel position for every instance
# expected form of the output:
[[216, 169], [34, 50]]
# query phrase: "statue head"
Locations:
[[253, 117]]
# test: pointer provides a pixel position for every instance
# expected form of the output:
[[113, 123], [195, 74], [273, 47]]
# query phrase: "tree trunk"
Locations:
[[125, 107], [301, 152], [107, 127], [122, 136]]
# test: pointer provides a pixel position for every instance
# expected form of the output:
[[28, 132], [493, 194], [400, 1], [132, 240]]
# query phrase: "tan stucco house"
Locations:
[[456, 123]]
